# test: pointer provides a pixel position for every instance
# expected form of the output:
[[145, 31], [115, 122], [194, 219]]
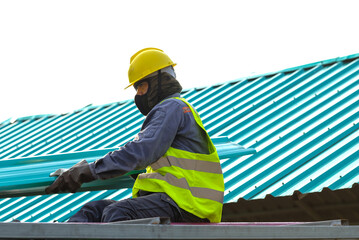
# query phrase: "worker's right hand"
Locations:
[[72, 179]]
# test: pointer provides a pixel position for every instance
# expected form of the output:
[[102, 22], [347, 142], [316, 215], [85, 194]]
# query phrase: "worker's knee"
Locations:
[[119, 211], [91, 211], [100, 204]]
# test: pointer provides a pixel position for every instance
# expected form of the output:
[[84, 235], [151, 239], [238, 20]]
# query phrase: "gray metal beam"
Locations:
[[150, 231]]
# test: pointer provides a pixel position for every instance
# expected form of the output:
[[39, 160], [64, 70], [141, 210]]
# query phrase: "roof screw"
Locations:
[[311, 179], [303, 133], [282, 183]]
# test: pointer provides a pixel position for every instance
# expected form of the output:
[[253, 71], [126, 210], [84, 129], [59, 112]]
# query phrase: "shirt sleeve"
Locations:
[[156, 136]]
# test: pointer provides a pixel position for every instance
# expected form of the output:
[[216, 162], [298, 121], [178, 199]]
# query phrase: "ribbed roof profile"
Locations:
[[302, 121], [324, 205]]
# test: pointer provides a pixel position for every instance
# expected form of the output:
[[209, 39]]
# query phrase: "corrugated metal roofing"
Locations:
[[308, 207], [302, 121]]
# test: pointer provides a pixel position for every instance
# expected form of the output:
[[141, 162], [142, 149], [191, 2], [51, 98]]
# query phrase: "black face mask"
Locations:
[[159, 87], [142, 103]]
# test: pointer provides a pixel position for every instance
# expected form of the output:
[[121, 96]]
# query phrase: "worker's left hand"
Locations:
[[72, 179]]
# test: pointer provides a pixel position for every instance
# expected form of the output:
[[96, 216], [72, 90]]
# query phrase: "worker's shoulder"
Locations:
[[173, 102], [173, 106]]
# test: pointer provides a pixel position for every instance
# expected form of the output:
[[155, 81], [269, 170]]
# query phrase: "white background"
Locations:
[[58, 56]]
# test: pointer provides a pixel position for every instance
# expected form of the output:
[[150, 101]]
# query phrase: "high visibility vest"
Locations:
[[193, 180]]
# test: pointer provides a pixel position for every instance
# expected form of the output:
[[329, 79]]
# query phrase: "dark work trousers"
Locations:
[[146, 206]]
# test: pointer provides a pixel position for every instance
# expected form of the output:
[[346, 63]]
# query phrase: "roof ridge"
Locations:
[[285, 70], [38, 116]]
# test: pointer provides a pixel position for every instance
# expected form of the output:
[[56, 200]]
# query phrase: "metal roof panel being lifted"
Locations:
[[33, 175]]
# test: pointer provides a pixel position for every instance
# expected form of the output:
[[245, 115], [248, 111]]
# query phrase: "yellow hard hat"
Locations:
[[145, 62]]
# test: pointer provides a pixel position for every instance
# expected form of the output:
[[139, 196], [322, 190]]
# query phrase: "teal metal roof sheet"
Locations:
[[302, 121], [32, 177]]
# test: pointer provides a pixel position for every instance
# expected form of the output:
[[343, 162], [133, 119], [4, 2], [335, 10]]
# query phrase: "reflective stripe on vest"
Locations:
[[193, 180], [182, 183]]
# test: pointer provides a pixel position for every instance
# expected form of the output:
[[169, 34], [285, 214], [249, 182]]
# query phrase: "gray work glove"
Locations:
[[70, 180]]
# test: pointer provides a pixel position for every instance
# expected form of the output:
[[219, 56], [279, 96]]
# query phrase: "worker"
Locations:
[[183, 179]]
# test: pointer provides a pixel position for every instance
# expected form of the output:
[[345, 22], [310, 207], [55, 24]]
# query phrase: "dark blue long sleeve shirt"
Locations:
[[168, 124]]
